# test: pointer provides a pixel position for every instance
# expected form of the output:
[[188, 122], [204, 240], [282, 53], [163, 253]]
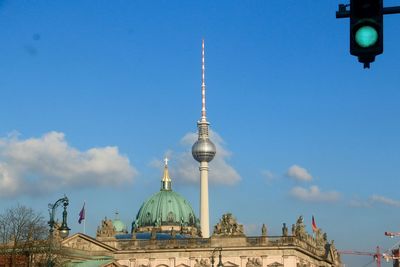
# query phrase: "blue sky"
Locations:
[[96, 93]]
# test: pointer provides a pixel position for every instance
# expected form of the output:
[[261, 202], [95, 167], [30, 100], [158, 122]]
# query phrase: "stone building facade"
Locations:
[[295, 249]]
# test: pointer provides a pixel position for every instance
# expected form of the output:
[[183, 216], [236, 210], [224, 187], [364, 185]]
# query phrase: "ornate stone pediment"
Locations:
[[228, 226], [113, 264], [229, 264], [86, 243], [275, 264]]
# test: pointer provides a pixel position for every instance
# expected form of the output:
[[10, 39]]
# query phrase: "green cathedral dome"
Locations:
[[165, 210], [119, 225]]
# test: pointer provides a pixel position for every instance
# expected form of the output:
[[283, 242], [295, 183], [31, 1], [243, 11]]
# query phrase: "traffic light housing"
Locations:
[[366, 30]]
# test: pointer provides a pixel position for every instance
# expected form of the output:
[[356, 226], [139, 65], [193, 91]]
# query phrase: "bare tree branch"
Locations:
[[23, 232]]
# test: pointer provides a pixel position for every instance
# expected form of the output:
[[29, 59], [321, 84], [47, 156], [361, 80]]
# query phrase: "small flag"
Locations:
[[82, 214], [313, 225]]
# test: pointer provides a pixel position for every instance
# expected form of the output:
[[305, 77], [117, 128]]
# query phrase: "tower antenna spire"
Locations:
[[203, 84]]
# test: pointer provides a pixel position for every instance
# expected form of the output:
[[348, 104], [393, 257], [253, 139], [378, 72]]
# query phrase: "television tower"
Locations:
[[203, 151]]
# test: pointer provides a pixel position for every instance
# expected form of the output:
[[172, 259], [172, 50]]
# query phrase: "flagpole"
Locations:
[[84, 220], [313, 226]]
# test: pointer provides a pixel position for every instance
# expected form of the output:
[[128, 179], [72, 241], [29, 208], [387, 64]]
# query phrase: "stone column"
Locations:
[[243, 261], [151, 262], [191, 260], [171, 262], [132, 262], [264, 260]]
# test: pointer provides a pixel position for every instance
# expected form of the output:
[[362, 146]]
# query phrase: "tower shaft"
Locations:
[[204, 210]]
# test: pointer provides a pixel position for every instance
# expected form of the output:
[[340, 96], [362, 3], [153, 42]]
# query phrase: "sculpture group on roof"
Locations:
[[228, 226], [106, 229]]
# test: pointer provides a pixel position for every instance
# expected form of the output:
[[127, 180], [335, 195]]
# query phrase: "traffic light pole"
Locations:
[[391, 10], [344, 13]]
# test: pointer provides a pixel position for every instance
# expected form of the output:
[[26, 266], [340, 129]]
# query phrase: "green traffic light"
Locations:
[[366, 36]]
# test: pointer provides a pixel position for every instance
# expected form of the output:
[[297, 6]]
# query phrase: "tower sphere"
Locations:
[[203, 150]]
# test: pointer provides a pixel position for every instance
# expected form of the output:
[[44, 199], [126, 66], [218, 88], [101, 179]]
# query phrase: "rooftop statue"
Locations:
[[264, 230], [319, 239], [228, 226], [284, 230], [173, 233], [300, 228]]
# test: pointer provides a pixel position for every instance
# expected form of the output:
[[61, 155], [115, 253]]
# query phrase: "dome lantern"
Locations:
[[166, 180], [118, 225]]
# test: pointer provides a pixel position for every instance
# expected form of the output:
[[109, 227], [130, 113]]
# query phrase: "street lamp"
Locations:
[[63, 229], [219, 249]]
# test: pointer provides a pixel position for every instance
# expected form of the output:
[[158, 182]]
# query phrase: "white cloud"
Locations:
[[384, 200], [187, 169], [314, 194], [269, 176], [48, 163], [299, 173], [357, 203]]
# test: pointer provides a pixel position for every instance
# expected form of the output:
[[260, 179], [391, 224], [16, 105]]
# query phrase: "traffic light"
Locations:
[[366, 29]]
